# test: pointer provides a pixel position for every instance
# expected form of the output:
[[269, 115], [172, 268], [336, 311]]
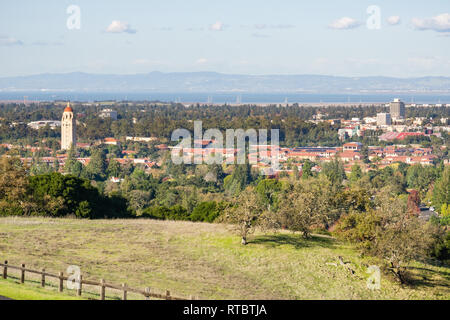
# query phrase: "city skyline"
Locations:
[[401, 39]]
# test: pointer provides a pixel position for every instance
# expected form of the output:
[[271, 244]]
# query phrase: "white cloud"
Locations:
[[439, 23], [393, 20], [201, 61], [218, 26], [119, 27], [345, 23], [9, 41]]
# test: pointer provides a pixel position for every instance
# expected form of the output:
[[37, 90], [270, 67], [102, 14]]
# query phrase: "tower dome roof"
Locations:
[[68, 108]]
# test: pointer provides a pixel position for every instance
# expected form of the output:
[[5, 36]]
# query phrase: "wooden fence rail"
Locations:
[[102, 283]]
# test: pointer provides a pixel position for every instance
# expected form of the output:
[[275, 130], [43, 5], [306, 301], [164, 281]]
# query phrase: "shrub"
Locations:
[[205, 211], [164, 213], [360, 228]]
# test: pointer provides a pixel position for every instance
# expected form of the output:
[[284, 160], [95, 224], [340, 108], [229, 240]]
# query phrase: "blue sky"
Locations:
[[246, 37]]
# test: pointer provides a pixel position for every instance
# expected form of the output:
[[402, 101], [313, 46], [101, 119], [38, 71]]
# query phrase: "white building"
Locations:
[[384, 119], [108, 113], [53, 124], [141, 139], [370, 120]]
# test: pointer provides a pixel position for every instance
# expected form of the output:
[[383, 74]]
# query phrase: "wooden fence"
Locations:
[[102, 284]]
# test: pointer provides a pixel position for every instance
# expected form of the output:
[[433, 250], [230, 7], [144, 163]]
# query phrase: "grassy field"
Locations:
[[204, 260], [11, 288]]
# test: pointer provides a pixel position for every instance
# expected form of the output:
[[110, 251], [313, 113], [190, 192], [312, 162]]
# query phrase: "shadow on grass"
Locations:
[[418, 278], [295, 240], [443, 273], [427, 278], [417, 282]]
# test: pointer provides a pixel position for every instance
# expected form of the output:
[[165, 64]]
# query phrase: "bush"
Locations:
[[206, 211], [159, 213], [164, 213], [360, 228]]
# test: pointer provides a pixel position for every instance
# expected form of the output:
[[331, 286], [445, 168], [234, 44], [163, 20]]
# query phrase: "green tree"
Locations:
[[138, 200], [238, 180], [96, 168], [246, 213], [334, 171], [306, 204], [13, 187], [420, 178], [356, 173], [206, 211], [114, 169], [267, 189], [390, 233], [59, 195], [72, 165], [56, 165], [306, 169], [441, 190]]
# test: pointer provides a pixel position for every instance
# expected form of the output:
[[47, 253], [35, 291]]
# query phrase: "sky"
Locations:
[[401, 38]]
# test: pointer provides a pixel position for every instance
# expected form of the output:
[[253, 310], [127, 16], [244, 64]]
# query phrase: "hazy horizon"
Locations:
[[226, 73]]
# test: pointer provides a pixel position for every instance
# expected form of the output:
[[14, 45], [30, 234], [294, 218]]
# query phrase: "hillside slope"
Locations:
[[205, 260]]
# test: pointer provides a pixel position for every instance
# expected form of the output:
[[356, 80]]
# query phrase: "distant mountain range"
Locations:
[[212, 82]]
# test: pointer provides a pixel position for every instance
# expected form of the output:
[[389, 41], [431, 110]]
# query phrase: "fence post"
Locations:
[[43, 278], [191, 297], [5, 270], [147, 293], [102, 290], [167, 295], [22, 273], [61, 281], [80, 282], [124, 288]]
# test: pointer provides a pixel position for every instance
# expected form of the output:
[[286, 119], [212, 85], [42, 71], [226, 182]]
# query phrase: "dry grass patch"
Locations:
[[205, 260]]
